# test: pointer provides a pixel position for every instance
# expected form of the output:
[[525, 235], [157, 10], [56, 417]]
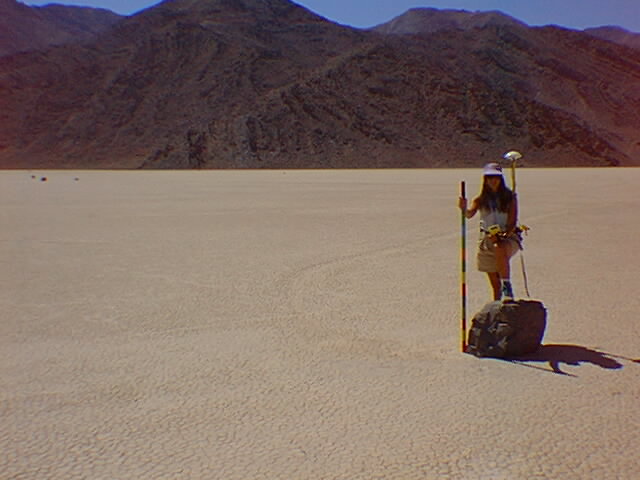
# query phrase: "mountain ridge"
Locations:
[[25, 28], [617, 35], [430, 20]]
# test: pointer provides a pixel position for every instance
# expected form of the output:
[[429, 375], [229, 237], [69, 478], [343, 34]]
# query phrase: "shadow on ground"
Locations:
[[555, 355]]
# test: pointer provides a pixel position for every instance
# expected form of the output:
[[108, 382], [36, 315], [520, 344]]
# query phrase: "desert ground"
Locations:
[[306, 325]]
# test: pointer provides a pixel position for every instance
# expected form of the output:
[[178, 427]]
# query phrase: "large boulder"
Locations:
[[508, 328]]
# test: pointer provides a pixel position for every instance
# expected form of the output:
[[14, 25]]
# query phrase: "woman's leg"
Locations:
[[494, 280], [502, 260], [504, 250]]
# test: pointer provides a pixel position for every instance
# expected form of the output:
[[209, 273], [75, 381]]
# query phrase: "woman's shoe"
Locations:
[[507, 291]]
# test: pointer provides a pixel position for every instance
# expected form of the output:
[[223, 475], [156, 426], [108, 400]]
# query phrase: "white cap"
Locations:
[[492, 169]]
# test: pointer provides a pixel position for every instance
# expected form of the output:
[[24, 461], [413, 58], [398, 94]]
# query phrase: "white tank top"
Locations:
[[493, 217]]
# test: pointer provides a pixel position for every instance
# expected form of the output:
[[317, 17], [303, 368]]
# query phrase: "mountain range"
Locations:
[[270, 84]]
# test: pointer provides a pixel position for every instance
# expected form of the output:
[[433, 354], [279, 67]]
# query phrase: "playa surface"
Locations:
[[306, 325]]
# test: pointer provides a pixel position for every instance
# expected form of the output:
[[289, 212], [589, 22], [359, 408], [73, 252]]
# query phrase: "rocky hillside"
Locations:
[[24, 28], [269, 84]]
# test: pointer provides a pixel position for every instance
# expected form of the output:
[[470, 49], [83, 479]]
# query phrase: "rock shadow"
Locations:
[[575, 355]]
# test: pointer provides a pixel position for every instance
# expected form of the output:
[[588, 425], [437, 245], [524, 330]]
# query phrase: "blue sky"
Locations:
[[577, 14]]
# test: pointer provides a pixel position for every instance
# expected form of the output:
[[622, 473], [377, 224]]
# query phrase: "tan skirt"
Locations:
[[487, 252]]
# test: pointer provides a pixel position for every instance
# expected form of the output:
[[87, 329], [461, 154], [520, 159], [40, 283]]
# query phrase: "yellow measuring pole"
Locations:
[[463, 276]]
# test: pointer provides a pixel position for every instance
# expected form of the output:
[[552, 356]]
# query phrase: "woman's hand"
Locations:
[[464, 207]]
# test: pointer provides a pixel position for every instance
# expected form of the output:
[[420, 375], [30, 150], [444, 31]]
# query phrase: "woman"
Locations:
[[499, 235]]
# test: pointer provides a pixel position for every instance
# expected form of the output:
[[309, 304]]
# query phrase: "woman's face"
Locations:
[[493, 182]]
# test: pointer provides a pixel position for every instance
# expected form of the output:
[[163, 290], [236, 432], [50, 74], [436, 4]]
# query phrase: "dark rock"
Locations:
[[508, 328]]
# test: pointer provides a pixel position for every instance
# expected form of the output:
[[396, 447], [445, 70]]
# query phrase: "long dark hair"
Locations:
[[500, 200]]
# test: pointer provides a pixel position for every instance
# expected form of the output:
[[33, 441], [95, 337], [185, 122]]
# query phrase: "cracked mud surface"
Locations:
[[280, 325]]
